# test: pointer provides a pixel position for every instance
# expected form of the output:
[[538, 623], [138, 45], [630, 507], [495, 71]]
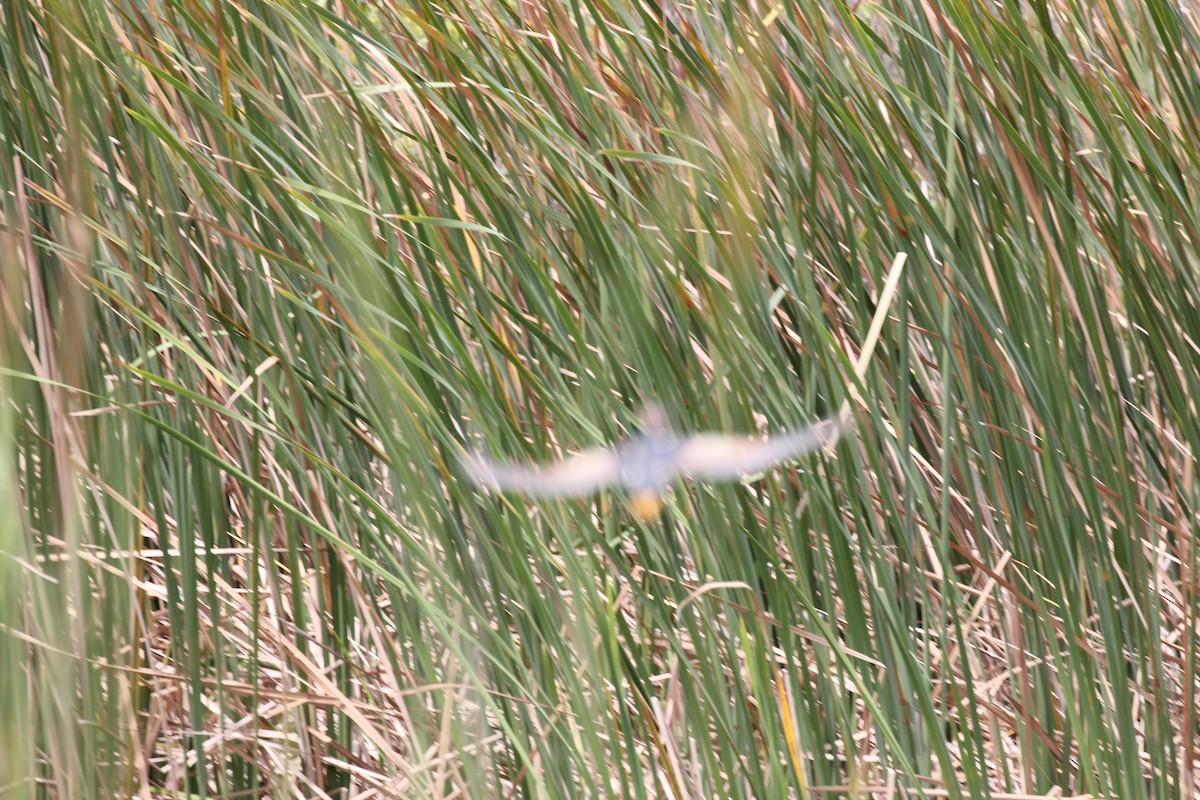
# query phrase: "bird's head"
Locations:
[[654, 419]]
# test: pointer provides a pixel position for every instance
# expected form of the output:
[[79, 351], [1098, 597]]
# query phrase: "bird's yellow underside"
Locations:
[[646, 505]]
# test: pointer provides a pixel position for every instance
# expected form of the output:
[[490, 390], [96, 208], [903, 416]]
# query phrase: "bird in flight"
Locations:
[[645, 465]]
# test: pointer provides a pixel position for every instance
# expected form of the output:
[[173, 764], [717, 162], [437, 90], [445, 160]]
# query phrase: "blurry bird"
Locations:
[[645, 465]]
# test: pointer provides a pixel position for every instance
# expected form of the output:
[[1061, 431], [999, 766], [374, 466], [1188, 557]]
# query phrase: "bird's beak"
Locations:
[[646, 505]]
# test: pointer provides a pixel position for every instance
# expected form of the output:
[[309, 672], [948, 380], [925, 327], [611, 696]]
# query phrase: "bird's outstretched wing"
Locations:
[[716, 457], [578, 475]]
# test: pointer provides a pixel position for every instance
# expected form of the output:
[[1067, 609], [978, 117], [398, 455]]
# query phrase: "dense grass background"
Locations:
[[269, 267]]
